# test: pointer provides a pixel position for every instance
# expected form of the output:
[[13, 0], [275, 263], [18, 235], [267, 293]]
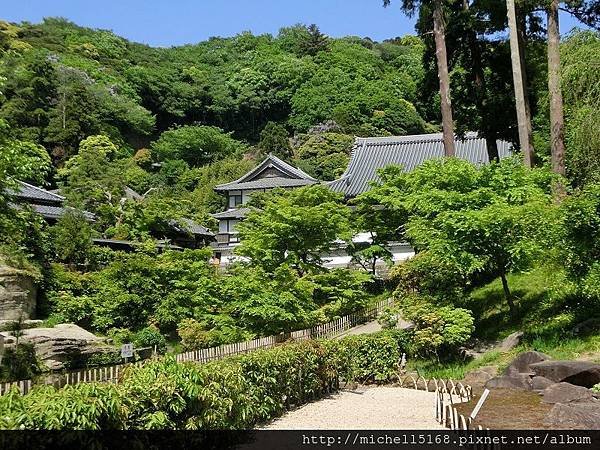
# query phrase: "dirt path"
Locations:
[[374, 408], [372, 327]]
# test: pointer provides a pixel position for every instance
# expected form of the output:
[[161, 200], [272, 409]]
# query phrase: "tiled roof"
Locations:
[[289, 174], [238, 213], [56, 212], [374, 153], [29, 192], [188, 225], [271, 183]]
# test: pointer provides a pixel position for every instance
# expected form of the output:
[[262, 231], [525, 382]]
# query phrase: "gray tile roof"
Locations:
[[290, 177], [238, 213], [56, 212], [271, 183], [188, 225], [30, 192], [374, 153]]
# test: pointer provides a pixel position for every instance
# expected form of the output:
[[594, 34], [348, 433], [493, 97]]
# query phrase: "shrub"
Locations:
[[150, 337], [19, 363], [437, 329], [233, 393]]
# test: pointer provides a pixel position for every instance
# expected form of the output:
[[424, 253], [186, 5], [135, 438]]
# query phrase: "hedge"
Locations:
[[233, 393]]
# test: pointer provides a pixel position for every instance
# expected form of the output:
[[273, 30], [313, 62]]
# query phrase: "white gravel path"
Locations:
[[373, 408]]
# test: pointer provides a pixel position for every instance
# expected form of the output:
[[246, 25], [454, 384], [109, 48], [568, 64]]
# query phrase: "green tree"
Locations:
[[72, 238], [294, 228], [325, 156], [196, 145], [274, 139], [91, 180]]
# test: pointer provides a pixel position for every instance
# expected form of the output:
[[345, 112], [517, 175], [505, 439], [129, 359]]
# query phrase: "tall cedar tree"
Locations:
[[410, 7]]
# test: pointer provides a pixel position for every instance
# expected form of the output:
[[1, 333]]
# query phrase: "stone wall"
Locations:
[[18, 293]]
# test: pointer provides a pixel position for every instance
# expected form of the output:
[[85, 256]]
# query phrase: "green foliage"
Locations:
[[294, 228], [274, 139], [92, 179], [340, 291], [234, 393], [72, 238], [150, 337], [438, 330], [476, 222], [580, 80], [325, 156], [196, 145], [430, 276], [19, 363]]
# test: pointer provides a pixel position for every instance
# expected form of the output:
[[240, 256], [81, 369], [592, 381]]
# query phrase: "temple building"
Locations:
[[269, 174], [368, 156]]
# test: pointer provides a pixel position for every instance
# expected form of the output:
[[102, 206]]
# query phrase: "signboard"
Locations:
[[126, 350]]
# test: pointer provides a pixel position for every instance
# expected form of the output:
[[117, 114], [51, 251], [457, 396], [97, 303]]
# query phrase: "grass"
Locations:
[[546, 316]]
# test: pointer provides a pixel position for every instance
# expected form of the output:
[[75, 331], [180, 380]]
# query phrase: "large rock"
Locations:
[[581, 416], [63, 344], [522, 363], [511, 341], [516, 381], [540, 383], [587, 326], [480, 376], [18, 293], [566, 393], [581, 373]]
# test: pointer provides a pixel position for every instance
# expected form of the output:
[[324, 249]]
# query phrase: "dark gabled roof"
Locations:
[[238, 213], [32, 193], [185, 225], [374, 153], [56, 212], [290, 177], [130, 194], [133, 244]]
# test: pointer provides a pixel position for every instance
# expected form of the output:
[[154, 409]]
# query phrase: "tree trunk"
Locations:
[[492, 148], [520, 84], [557, 124], [511, 305], [439, 32]]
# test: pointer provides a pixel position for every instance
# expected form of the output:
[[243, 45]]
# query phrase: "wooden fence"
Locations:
[[112, 374], [448, 393]]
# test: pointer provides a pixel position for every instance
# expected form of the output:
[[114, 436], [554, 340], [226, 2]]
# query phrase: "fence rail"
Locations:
[[113, 374]]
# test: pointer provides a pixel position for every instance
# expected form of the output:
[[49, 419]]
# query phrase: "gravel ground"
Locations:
[[374, 408]]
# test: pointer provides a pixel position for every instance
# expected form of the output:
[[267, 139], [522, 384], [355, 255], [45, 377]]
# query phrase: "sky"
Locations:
[[175, 22]]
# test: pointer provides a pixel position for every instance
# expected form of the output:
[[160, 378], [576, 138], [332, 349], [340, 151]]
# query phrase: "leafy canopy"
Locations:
[[294, 228]]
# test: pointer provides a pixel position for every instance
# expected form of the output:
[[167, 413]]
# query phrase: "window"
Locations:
[[235, 200]]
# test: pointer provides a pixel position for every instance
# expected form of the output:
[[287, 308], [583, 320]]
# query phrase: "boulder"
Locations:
[[510, 342], [587, 326], [64, 343], [566, 393], [480, 376], [521, 364], [18, 293], [516, 381], [540, 383], [574, 416], [580, 373]]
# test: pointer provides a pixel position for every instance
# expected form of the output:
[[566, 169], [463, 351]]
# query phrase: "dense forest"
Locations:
[[89, 113]]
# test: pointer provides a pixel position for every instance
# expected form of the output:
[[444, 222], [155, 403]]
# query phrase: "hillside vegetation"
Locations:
[[91, 113]]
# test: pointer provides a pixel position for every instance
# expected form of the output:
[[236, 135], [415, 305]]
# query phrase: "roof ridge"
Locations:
[[36, 188]]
